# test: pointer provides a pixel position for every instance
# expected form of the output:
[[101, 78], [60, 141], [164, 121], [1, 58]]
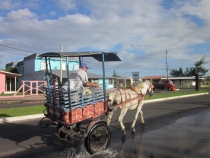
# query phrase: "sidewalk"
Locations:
[[12, 101], [21, 99], [41, 98]]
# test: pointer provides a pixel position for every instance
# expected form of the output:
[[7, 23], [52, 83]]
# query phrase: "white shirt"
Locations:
[[77, 80], [79, 75]]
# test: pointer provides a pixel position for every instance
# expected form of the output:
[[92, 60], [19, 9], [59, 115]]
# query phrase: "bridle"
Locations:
[[151, 91]]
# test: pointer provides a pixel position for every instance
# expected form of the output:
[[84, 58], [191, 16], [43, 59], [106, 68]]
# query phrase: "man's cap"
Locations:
[[84, 65]]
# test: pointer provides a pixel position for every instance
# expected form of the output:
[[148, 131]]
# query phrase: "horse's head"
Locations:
[[144, 87], [150, 89]]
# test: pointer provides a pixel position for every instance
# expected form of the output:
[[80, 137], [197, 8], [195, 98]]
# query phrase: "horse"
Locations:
[[129, 99]]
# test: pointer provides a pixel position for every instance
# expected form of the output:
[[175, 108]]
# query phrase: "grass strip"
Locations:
[[38, 109], [174, 94], [21, 111]]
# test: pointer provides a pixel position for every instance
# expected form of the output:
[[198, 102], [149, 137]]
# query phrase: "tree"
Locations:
[[199, 68], [191, 71], [11, 69], [175, 72], [115, 74]]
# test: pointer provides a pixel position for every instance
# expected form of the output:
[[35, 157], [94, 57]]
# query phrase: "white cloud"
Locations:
[[53, 13], [21, 14], [144, 30], [7, 5], [66, 4]]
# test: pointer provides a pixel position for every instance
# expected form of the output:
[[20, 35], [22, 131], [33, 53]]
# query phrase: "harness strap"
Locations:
[[122, 103], [139, 96], [119, 90]]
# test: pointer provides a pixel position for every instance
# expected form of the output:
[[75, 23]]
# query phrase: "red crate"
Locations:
[[88, 111], [99, 108], [77, 115]]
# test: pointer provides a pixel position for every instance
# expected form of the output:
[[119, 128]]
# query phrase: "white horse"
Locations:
[[129, 99]]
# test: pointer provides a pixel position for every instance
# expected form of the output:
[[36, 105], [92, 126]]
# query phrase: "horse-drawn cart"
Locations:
[[68, 108]]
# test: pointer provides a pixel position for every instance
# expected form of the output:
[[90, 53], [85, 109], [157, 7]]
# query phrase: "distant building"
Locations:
[[8, 82], [33, 68], [178, 81]]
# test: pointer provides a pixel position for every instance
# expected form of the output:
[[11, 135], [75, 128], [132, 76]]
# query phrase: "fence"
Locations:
[[34, 87]]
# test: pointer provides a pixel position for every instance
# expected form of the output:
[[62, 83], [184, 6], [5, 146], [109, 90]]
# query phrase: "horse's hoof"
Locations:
[[124, 131], [143, 123], [133, 130]]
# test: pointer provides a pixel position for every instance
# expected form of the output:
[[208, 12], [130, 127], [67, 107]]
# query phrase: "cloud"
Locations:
[[66, 5], [21, 14], [53, 13], [141, 31], [8, 5]]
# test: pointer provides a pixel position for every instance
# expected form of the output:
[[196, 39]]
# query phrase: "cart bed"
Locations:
[[79, 107]]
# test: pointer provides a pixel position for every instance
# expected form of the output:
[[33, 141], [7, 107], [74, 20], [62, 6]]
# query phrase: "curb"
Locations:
[[20, 118], [170, 98], [20, 102]]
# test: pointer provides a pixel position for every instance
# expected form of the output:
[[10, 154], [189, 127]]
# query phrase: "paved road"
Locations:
[[174, 128]]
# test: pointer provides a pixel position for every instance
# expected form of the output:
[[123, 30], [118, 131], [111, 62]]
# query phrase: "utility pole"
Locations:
[[167, 63], [196, 79], [61, 68]]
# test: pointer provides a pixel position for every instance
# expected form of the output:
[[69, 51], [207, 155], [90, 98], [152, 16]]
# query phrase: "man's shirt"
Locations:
[[77, 80]]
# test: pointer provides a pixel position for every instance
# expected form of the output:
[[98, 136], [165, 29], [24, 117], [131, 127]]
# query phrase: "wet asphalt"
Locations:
[[174, 129]]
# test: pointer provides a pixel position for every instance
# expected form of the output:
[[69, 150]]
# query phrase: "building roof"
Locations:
[[179, 78], [170, 78], [9, 74], [152, 77]]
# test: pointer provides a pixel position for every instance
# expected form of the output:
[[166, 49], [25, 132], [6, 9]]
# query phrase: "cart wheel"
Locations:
[[98, 138], [60, 133]]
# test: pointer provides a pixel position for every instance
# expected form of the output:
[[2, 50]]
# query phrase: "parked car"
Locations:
[[166, 84]]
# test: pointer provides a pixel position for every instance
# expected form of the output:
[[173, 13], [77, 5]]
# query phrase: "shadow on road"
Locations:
[[34, 141]]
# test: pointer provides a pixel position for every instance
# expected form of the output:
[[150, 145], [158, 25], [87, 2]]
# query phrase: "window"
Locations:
[[43, 66], [76, 67], [63, 66], [110, 81]]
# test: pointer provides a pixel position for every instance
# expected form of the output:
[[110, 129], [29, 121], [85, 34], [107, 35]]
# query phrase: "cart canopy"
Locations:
[[108, 56]]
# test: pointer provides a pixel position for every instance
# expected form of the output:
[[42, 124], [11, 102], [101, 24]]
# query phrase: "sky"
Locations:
[[141, 31]]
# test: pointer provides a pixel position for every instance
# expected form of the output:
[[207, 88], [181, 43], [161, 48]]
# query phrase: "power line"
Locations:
[[13, 53], [17, 48]]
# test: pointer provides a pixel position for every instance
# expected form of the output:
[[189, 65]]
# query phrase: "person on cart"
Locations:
[[81, 75], [79, 79]]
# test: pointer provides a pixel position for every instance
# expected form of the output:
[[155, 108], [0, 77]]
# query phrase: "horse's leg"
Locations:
[[141, 112], [109, 117], [122, 114], [136, 116], [110, 103], [142, 118]]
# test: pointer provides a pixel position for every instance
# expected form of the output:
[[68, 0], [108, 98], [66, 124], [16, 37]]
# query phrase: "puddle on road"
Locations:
[[187, 137]]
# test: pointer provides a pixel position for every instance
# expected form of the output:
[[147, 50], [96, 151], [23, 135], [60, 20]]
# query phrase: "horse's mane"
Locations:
[[141, 84]]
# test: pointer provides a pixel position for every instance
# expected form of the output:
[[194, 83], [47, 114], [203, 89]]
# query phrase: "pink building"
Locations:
[[8, 82]]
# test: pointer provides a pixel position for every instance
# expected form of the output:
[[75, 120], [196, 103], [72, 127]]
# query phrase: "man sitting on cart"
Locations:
[[81, 76], [79, 79]]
